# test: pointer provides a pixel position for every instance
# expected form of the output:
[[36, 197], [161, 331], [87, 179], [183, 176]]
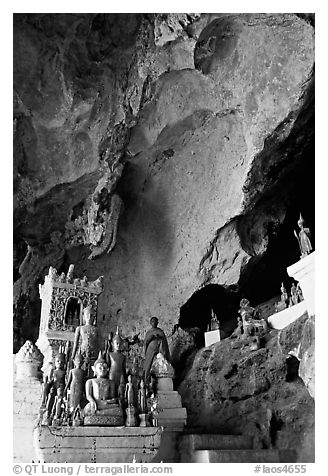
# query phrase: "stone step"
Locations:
[[172, 413], [215, 442], [242, 456], [169, 400]]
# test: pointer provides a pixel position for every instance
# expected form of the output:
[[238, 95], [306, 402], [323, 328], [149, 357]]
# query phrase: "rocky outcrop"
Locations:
[[231, 390]]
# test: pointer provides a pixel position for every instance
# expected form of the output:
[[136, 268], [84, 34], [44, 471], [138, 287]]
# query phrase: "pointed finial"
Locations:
[[100, 359]]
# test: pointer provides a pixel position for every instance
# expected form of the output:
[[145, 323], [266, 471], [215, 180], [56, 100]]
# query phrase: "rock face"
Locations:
[[250, 393], [177, 142]]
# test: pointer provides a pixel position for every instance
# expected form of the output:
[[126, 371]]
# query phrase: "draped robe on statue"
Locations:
[[155, 342]]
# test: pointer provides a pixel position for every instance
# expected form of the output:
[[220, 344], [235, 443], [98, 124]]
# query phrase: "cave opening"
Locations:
[[292, 366], [197, 311]]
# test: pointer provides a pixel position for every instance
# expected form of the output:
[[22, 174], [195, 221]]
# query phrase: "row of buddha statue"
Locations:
[[97, 390], [249, 319], [295, 297]]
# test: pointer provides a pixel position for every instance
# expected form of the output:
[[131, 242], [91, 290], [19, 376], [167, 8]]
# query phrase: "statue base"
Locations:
[[280, 306], [112, 416], [281, 319], [57, 422], [45, 419], [130, 417], [212, 337], [164, 384], [77, 422], [104, 420], [144, 419], [303, 271], [171, 415], [104, 445]]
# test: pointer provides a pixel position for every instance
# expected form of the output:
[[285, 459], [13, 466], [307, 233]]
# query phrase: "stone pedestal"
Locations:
[[96, 444], [171, 414], [164, 384], [144, 419], [131, 417], [212, 337], [112, 417], [303, 272], [281, 319]]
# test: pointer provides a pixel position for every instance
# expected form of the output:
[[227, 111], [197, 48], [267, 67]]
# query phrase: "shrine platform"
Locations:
[[94, 444]]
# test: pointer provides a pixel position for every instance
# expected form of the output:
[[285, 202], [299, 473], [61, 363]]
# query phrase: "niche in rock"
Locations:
[[73, 312], [197, 311], [292, 365]]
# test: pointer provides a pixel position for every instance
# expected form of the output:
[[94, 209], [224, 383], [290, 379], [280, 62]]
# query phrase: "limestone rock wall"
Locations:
[[231, 390], [197, 114]]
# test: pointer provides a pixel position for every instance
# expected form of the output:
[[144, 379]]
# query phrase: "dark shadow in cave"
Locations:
[[292, 365], [196, 312], [290, 191], [262, 278]]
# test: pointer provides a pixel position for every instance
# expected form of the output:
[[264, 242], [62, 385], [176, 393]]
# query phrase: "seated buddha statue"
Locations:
[[102, 409]]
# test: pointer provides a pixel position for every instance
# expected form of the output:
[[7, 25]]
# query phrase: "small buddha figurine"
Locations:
[[86, 340], [303, 238], [100, 391], [215, 325], [84, 282], [284, 300], [70, 318], [290, 302], [75, 383], [284, 295], [246, 311], [293, 294], [55, 383], [70, 273], [58, 407], [135, 379], [154, 411], [108, 346], [238, 332], [129, 392], [62, 278], [116, 361], [142, 400], [76, 319], [121, 392], [77, 417], [299, 293]]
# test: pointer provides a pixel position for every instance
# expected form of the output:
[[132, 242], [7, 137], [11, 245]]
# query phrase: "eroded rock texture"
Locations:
[[229, 389], [174, 150]]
